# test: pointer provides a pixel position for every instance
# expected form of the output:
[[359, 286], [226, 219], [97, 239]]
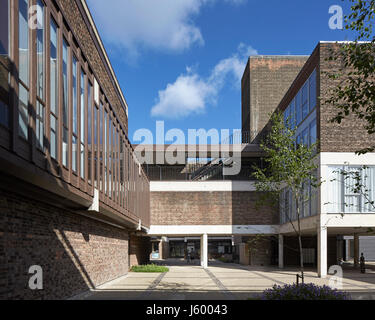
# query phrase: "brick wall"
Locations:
[[209, 208], [350, 135], [265, 81], [139, 250], [75, 252]]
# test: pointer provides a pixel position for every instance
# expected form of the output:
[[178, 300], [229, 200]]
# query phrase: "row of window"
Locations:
[[307, 205], [4, 61], [84, 134], [303, 103], [342, 195]]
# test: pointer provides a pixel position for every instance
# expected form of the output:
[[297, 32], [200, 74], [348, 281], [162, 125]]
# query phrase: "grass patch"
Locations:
[[225, 260], [149, 268]]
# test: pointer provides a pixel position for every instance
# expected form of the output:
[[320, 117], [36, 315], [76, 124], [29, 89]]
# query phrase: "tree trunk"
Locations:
[[300, 241]]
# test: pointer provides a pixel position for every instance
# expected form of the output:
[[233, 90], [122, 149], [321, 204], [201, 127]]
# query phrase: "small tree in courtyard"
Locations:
[[288, 165]]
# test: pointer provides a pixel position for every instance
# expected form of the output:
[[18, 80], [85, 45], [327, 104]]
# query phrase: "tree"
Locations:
[[355, 93], [288, 165]]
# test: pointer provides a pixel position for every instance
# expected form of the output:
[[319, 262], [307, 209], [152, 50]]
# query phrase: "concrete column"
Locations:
[[281, 251], [322, 252], [204, 250], [347, 250], [356, 250]]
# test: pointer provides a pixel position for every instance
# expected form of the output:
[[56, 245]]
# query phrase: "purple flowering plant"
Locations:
[[307, 291]]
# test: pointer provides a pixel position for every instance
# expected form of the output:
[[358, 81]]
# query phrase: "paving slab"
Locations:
[[220, 282]]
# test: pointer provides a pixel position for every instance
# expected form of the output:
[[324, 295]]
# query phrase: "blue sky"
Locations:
[[181, 61]]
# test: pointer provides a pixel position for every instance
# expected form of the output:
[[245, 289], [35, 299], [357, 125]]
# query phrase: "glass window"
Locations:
[[54, 68], [305, 99], [40, 50], [341, 190], [4, 114], [305, 137], [95, 144], [40, 125], [23, 42], [83, 117], [110, 155], [23, 111], [54, 103], [53, 137], [4, 62], [74, 153], [306, 197], [65, 142], [293, 113], [312, 90], [369, 184], [352, 199], [4, 27], [83, 107], [89, 128], [287, 116], [298, 108], [74, 111], [105, 150], [101, 147], [96, 91], [313, 132]]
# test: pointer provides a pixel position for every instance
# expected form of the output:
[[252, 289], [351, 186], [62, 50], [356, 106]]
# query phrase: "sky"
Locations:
[[181, 61]]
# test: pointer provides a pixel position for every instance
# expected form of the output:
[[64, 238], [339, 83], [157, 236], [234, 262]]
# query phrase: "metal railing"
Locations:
[[178, 173]]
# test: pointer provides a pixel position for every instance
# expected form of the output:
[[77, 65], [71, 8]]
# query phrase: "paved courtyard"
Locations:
[[220, 281]]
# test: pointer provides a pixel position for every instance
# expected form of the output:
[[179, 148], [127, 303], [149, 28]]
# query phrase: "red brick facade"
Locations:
[[209, 208], [139, 250], [76, 253], [265, 81], [350, 135]]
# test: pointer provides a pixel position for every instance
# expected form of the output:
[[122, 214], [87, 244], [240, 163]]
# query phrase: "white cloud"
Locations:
[[191, 93], [156, 24]]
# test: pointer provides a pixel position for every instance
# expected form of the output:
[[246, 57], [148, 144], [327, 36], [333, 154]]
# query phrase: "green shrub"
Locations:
[[225, 260], [149, 268]]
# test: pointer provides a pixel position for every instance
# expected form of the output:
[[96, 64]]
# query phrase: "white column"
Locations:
[[356, 250], [347, 249], [322, 252], [204, 250], [281, 251]]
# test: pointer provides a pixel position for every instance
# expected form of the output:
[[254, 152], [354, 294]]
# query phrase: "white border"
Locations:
[[189, 230], [201, 186]]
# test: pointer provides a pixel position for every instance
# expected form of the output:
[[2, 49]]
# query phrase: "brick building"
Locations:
[[74, 199], [264, 82], [198, 201]]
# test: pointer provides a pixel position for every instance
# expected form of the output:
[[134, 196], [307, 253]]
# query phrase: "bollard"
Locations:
[[300, 277]]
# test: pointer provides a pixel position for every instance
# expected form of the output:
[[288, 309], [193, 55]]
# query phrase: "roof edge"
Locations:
[[91, 20]]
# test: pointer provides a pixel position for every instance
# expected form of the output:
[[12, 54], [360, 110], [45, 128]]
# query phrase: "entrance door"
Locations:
[[177, 249]]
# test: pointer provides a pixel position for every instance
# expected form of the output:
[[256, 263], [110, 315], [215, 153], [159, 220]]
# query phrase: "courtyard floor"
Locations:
[[220, 281]]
